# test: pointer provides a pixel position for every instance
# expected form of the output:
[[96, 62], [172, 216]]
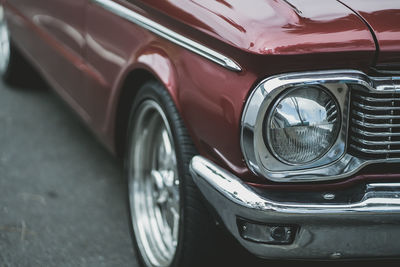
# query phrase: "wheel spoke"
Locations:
[[162, 197], [168, 159], [175, 227], [158, 179]]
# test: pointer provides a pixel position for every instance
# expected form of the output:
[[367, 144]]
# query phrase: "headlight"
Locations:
[[302, 125]]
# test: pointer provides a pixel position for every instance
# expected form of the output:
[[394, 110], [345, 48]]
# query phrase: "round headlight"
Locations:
[[303, 125]]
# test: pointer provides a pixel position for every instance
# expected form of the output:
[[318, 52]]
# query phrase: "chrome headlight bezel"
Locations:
[[336, 163]]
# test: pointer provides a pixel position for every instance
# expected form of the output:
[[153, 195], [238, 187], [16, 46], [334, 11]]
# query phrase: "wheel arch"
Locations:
[[151, 65]]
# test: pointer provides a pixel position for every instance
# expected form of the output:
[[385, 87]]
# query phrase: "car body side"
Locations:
[[96, 59]]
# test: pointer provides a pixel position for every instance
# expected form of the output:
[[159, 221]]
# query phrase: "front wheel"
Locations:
[[170, 225]]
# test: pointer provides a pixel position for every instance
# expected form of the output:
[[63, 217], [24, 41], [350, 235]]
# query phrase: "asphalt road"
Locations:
[[62, 196]]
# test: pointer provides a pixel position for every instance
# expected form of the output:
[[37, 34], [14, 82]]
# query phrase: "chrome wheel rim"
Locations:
[[154, 186], [4, 43]]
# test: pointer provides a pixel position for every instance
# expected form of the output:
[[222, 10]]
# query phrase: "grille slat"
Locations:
[[375, 125], [374, 134], [374, 108], [373, 116], [374, 131], [375, 100], [376, 151], [374, 143]]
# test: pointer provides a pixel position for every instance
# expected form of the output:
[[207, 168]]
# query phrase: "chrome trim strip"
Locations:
[[376, 151], [374, 125], [368, 107], [383, 185], [375, 99], [375, 117], [373, 143], [336, 163], [373, 134], [168, 34]]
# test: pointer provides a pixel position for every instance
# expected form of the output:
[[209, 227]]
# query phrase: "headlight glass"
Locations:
[[302, 125]]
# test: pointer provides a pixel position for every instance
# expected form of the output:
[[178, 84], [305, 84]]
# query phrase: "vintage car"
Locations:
[[277, 119]]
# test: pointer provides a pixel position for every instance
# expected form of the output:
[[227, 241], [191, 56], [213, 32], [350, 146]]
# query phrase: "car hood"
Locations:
[[272, 27], [383, 18], [289, 27]]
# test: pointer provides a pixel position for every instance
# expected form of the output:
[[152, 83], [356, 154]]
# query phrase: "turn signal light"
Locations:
[[275, 234]]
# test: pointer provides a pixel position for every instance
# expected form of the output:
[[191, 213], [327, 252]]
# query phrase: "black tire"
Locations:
[[12, 75], [197, 231]]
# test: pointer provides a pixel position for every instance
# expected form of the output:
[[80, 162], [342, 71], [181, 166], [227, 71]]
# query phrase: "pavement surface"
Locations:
[[62, 195]]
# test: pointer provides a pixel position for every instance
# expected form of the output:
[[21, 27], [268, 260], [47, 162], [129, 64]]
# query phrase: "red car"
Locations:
[[278, 119]]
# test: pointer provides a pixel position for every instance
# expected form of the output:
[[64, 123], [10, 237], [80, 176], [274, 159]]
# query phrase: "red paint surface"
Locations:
[[265, 37], [273, 27], [384, 19]]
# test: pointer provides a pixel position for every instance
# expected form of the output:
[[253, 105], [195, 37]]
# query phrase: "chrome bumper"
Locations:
[[369, 227]]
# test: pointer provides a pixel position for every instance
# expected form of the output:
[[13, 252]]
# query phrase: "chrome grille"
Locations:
[[386, 70], [375, 124]]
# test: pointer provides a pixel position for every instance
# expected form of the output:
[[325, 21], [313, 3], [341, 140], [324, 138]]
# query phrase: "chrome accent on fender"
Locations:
[[376, 215], [336, 163], [168, 34]]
